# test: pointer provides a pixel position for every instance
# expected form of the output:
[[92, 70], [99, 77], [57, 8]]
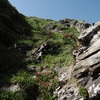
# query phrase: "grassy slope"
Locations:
[[65, 45], [30, 32]]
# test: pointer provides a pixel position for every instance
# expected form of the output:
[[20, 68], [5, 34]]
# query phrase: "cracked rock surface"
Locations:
[[86, 71]]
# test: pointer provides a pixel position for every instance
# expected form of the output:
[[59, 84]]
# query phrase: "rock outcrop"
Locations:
[[64, 24], [35, 54], [79, 25], [67, 89], [87, 68], [86, 71]]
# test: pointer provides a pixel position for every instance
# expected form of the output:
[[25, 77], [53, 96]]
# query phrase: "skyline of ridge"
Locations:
[[57, 10]]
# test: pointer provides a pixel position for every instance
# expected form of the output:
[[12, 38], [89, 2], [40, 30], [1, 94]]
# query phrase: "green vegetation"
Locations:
[[47, 84], [19, 35], [84, 93], [5, 95]]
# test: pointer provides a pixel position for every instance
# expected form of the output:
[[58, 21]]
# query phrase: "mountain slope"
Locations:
[[30, 49]]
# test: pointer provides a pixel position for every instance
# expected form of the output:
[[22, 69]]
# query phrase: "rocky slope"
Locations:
[[87, 69], [84, 82], [33, 50]]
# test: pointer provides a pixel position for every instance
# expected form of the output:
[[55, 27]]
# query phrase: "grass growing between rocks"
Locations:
[[84, 93], [63, 59], [5, 95], [39, 86], [24, 34]]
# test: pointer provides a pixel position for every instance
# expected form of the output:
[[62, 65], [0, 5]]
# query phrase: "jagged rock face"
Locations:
[[87, 68], [35, 54], [66, 90], [79, 25]]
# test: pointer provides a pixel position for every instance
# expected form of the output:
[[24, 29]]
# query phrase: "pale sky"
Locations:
[[88, 10]]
